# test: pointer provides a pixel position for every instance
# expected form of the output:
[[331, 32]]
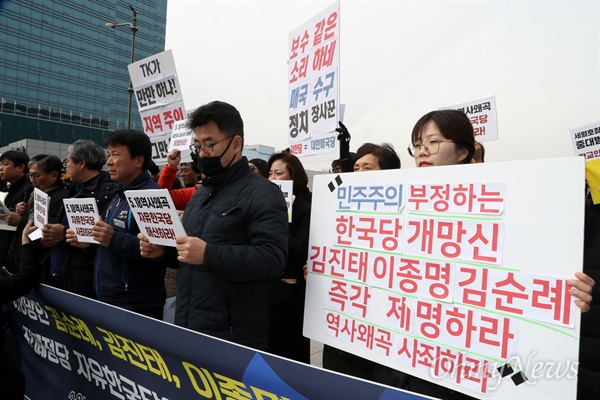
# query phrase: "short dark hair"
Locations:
[[48, 163], [224, 115], [294, 167], [137, 142], [453, 125], [261, 165], [88, 151], [190, 164], [17, 158], [385, 153]]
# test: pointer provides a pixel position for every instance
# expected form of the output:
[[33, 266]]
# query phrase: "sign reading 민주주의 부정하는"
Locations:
[[455, 274]]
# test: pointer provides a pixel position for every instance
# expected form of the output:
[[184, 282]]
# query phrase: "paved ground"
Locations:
[[316, 353]]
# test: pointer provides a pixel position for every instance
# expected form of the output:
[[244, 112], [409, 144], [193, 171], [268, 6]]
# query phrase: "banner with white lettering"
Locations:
[[455, 275], [313, 83], [82, 214], [156, 215], [76, 348]]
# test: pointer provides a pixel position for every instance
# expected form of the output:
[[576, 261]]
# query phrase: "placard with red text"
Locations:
[[482, 114], [156, 215], [82, 214], [457, 275], [313, 83], [158, 95]]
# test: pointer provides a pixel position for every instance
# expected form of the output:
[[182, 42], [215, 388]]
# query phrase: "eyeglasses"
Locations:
[[65, 162], [207, 148], [431, 146], [35, 176]]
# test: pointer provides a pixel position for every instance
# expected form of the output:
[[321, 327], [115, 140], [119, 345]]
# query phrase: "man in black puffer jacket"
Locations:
[[237, 236]]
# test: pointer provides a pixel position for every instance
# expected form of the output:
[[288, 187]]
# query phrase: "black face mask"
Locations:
[[210, 166]]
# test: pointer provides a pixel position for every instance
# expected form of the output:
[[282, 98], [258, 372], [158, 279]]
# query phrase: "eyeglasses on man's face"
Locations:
[[431, 146], [35, 176], [207, 148]]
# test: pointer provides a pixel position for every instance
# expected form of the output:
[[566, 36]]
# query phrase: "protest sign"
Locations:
[[182, 137], [586, 142], [3, 224], [158, 97], [287, 188], [155, 215], [77, 348], [313, 84], [455, 275], [82, 214], [41, 202], [482, 114]]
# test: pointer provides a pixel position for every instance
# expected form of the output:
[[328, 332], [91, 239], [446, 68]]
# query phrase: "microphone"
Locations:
[[27, 193]]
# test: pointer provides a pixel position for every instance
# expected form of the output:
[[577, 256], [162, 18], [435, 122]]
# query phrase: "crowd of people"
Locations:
[[241, 268]]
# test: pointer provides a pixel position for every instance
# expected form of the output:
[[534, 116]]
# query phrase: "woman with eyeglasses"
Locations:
[[45, 174], [442, 137], [445, 137]]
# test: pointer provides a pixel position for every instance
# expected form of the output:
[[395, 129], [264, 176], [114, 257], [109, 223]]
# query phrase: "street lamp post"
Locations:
[[133, 26]]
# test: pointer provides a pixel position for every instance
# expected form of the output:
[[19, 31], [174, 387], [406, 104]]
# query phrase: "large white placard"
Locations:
[[449, 273], [313, 84]]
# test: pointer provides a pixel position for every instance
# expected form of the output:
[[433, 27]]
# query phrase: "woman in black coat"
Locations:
[[288, 294]]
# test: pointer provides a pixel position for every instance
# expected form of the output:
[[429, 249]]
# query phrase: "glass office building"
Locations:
[[64, 72]]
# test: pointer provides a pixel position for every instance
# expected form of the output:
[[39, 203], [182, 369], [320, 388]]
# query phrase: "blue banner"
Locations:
[[72, 347]]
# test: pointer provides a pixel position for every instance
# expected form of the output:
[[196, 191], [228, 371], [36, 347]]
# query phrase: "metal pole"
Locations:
[[130, 88]]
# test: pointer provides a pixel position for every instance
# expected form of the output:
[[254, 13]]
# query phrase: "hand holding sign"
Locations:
[[191, 250], [582, 289], [149, 250], [102, 233], [71, 238], [52, 234]]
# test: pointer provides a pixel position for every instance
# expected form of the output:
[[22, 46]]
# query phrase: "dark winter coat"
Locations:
[[243, 219], [123, 277], [17, 192], [77, 265], [588, 384]]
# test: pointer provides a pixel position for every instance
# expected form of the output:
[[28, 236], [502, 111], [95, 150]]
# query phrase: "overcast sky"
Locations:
[[400, 60]]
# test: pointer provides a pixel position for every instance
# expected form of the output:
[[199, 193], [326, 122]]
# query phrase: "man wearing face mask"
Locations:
[[237, 236]]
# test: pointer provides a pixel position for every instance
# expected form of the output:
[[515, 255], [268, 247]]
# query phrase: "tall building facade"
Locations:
[[64, 72]]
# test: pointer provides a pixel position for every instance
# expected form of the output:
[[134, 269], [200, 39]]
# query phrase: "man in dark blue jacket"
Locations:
[[123, 277], [237, 236]]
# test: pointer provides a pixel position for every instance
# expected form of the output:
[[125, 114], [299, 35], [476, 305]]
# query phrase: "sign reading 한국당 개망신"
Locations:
[[456, 274]]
